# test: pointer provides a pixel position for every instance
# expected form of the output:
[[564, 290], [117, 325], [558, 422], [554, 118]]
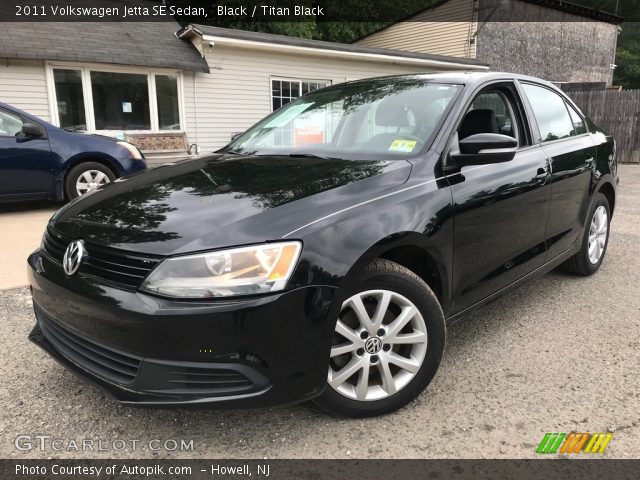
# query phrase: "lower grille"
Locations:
[[97, 359], [208, 379], [195, 379]]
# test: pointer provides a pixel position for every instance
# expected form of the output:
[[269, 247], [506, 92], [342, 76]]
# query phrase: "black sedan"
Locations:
[[39, 161], [321, 254]]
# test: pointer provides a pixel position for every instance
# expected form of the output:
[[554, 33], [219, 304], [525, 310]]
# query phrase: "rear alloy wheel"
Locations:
[[598, 233], [387, 345], [86, 177], [594, 240]]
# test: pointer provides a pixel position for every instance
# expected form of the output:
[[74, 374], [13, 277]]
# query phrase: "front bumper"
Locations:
[[140, 349]]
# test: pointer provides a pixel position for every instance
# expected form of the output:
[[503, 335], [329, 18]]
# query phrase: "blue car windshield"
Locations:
[[361, 120]]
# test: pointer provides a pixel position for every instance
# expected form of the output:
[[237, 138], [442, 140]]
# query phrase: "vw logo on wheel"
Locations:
[[73, 257], [373, 345]]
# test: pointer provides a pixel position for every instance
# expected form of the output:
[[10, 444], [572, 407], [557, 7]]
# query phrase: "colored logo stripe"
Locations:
[[574, 442], [550, 443], [598, 442]]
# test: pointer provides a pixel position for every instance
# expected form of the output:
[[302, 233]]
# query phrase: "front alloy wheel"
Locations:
[[387, 344], [376, 355]]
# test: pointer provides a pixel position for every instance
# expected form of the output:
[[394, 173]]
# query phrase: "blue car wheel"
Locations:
[[85, 177]]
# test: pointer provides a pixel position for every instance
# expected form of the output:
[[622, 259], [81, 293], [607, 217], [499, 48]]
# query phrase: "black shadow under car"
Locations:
[[321, 254]]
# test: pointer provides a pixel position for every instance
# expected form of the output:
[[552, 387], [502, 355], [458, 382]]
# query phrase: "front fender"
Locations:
[[115, 165], [334, 253]]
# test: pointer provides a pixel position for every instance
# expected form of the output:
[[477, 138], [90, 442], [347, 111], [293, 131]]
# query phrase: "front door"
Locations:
[[500, 210], [25, 163]]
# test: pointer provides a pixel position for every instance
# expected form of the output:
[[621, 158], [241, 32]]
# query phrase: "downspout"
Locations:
[[469, 33], [195, 105]]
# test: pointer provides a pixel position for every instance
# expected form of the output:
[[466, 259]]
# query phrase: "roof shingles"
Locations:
[[147, 44]]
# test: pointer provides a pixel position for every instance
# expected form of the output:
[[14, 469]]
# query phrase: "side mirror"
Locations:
[[485, 148], [235, 136], [32, 130]]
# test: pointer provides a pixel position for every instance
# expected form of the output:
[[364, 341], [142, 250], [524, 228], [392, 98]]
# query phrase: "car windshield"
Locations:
[[361, 120]]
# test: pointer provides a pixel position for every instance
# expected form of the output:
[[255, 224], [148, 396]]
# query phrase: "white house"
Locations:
[[173, 90]]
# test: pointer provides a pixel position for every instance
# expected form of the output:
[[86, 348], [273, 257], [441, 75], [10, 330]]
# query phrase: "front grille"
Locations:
[[115, 266], [102, 361]]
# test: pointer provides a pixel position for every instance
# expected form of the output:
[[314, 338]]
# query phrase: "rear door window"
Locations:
[[578, 123], [550, 111]]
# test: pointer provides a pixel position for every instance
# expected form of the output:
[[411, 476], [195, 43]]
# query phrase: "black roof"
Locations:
[[321, 44], [469, 78], [148, 44]]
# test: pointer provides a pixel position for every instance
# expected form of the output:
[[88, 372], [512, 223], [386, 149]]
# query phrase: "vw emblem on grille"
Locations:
[[373, 345], [73, 257]]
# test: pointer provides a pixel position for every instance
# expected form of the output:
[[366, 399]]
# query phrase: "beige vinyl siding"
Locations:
[[443, 30], [237, 92], [23, 85]]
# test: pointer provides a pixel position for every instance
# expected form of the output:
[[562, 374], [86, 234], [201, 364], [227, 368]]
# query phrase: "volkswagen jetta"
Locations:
[[321, 253]]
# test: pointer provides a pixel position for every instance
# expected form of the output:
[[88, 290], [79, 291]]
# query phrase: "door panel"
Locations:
[[572, 155], [571, 164], [25, 163], [500, 213]]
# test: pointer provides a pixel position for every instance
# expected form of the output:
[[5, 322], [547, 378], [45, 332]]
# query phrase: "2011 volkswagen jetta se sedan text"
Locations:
[[321, 253]]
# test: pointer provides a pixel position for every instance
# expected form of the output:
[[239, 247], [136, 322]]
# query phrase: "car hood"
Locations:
[[222, 201]]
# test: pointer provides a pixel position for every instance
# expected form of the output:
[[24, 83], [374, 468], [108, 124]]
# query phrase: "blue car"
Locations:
[[41, 161]]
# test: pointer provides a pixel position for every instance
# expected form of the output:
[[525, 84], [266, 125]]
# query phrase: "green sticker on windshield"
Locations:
[[404, 146]]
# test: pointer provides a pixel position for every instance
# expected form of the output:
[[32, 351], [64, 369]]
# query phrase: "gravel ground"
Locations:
[[561, 354]]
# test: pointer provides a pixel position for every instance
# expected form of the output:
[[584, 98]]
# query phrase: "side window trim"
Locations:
[[532, 121]]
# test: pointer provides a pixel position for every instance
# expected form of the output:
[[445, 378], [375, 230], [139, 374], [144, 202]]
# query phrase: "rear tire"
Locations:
[[595, 240], [393, 345], [85, 177]]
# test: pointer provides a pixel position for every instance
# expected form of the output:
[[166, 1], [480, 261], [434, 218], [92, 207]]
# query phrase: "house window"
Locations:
[[167, 98], [70, 99], [113, 101], [283, 91], [120, 101]]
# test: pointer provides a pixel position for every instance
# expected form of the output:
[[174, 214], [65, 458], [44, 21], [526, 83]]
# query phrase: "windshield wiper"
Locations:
[[310, 155]]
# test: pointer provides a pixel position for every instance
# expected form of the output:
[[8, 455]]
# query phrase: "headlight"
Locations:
[[224, 273], [133, 150]]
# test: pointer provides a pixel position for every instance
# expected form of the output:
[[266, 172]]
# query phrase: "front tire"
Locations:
[[594, 240], [388, 343], [85, 177]]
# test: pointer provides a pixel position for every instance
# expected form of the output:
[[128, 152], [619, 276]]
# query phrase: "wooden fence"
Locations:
[[617, 113]]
